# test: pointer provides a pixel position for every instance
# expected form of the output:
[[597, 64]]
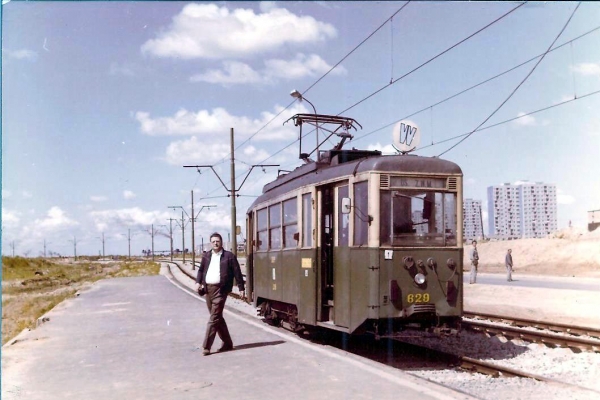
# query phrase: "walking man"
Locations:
[[474, 263], [509, 265], [215, 276]]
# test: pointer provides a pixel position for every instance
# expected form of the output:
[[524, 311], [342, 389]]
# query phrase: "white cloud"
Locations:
[[235, 72], [127, 217], [196, 151], [386, 150], [26, 194], [128, 195], [253, 154], [565, 199], [56, 219], [525, 120], [98, 199], [22, 54], [300, 67], [587, 69], [210, 31], [562, 198], [6, 194], [205, 123], [10, 218]]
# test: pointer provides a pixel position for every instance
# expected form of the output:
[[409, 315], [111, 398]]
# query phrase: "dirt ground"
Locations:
[[571, 254]]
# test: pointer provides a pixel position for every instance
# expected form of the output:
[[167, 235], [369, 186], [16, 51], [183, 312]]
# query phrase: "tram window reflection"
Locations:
[[413, 218], [290, 223]]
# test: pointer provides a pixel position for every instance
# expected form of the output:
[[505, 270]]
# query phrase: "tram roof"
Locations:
[[315, 172]]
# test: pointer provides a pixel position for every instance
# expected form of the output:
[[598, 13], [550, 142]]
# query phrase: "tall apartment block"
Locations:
[[472, 223], [523, 210]]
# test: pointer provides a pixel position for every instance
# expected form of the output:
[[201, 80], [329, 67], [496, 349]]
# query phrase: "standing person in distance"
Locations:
[[215, 276], [509, 265], [474, 263]]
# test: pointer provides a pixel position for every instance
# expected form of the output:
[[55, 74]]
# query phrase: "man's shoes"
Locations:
[[225, 348], [205, 352]]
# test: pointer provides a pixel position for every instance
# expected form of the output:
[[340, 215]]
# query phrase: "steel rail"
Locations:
[[550, 339], [551, 326]]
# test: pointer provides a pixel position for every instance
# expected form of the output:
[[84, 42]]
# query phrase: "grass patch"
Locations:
[[32, 287]]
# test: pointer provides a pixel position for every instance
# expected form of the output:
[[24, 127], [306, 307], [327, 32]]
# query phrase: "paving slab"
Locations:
[[140, 338]]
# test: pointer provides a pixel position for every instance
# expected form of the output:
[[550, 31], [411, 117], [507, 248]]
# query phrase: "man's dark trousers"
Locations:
[[215, 301]]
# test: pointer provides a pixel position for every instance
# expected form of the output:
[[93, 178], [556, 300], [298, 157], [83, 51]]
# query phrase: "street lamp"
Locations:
[[297, 95]]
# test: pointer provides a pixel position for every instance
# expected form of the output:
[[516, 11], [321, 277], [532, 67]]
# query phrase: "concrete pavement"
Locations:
[[140, 338]]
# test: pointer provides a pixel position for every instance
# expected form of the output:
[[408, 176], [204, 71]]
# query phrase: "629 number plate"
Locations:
[[418, 298]]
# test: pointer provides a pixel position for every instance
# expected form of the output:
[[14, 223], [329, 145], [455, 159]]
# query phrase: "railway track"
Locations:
[[550, 334], [516, 330], [550, 326]]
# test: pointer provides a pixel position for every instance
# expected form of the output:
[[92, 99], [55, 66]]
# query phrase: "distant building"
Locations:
[[523, 210], [472, 221], [593, 220]]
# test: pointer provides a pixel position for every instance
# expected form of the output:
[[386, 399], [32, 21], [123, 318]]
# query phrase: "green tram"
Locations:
[[359, 242]]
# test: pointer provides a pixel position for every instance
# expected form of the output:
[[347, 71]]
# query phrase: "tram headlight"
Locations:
[[419, 279], [451, 263]]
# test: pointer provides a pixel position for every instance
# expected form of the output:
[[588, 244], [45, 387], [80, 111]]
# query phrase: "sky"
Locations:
[[103, 103]]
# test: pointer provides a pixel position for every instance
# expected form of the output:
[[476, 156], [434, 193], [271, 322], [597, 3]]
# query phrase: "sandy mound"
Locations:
[[569, 252]]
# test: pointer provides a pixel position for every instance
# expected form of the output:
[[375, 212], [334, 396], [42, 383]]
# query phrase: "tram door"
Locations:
[[326, 226]]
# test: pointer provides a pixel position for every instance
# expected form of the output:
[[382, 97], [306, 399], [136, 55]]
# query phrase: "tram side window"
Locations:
[[418, 218], [307, 220], [361, 213], [262, 241], [290, 223], [275, 226]]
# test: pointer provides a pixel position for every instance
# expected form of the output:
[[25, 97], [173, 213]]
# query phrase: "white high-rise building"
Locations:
[[472, 222], [522, 210]]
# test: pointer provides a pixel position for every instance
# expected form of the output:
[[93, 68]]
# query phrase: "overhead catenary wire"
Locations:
[[518, 86], [477, 85], [325, 74], [432, 59], [562, 103], [413, 70], [312, 85]]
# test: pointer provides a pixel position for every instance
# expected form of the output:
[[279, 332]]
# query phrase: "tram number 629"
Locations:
[[418, 298]]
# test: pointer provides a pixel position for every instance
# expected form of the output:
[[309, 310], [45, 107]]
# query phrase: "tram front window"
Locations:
[[413, 218]]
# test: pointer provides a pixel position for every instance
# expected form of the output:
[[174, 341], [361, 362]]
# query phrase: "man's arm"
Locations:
[[200, 270]]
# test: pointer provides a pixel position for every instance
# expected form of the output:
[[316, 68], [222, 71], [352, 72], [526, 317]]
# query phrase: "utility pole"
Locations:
[[102, 238], [44, 248], [152, 234], [193, 236], [233, 209], [194, 230], [129, 242], [182, 229], [182, 235], [171, 235], [13, 247], [233, 191], [74, 247]]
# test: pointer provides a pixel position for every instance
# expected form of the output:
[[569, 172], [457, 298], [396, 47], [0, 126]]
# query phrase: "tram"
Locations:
[[357, 241]]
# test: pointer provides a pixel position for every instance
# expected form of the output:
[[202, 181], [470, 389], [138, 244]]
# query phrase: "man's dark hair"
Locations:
[[216, 234], [474, 241]]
